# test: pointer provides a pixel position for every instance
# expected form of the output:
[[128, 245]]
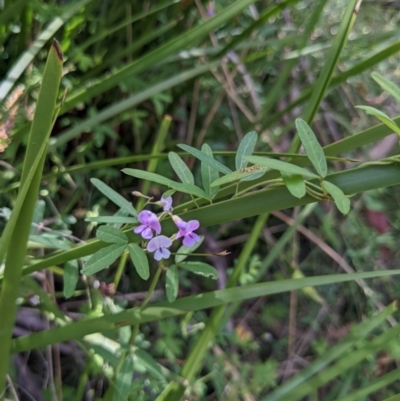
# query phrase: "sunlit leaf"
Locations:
[[210, 161], [208, 173], [70, 278], [180, 168], [111, 235], [341, 200], [114, 196], [246, 148], [200, 268], [295, 184], [139, 260], [280, 166], [103, 258], [172, 283], [312, 147]]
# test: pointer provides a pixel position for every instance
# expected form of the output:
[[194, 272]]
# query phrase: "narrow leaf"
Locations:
[[341, 200], [312, 147], [187, 250], [70, 278], [139, 260], [111, 235], [180, 168], [246, 148], [172, 283], [386, 85], [382, 117], [280, 166], [200, 268], [239, 175], [124, 380], [208, 174], [210, 161], [112, 219], [103, 258], [114, 196], [295, 184], [159, 179]]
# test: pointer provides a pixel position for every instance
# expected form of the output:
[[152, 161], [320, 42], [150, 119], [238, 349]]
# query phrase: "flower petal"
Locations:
[[152, 245], [144, 216], [158, 254], [195, 237], [139, 229], [165, 253], [147, 233], [154, 224], [188, 241], [163, 241], [167, 203], [192, 225]]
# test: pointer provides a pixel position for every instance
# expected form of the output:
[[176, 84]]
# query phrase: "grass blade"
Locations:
[[18, 227]]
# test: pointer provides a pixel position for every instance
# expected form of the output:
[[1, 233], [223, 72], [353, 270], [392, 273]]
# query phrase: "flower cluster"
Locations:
[[150, 229]]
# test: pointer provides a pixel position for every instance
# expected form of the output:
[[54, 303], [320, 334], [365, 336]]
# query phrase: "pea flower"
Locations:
[[186, 231], [166, 203], [159, 246], [149, 222]]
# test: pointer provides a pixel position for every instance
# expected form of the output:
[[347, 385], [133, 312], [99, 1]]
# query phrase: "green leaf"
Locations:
[[382, 117], [172, 283], [239, 175], [205, 158], [159, 179], [246, 148], [180, 168], [295, 184], [139, 260], [111, 235], [187, 250], [103, 258], [149, 363], [279, 165], [312, 147], [341, 200], [70, 278], [386, 85], [181, 306], [114, 196], [200, 268], [112, 219], [123, 381], [208, 174]]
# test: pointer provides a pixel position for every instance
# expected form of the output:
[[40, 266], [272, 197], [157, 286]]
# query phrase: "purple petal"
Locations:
[[154, 224], [165, 253], [180, 234], [158, 255], [188, 241], [164, 242], [195, 237], [158, 242], [167, 203], [144, 216], [147, 233], [192, 225], [139, 229]]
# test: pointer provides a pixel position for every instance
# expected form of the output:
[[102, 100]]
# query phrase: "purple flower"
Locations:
[[186, 230], [166, 203], [159, 246], [149, 222]]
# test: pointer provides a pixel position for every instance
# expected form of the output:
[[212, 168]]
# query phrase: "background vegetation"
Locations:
[[135, 80]]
